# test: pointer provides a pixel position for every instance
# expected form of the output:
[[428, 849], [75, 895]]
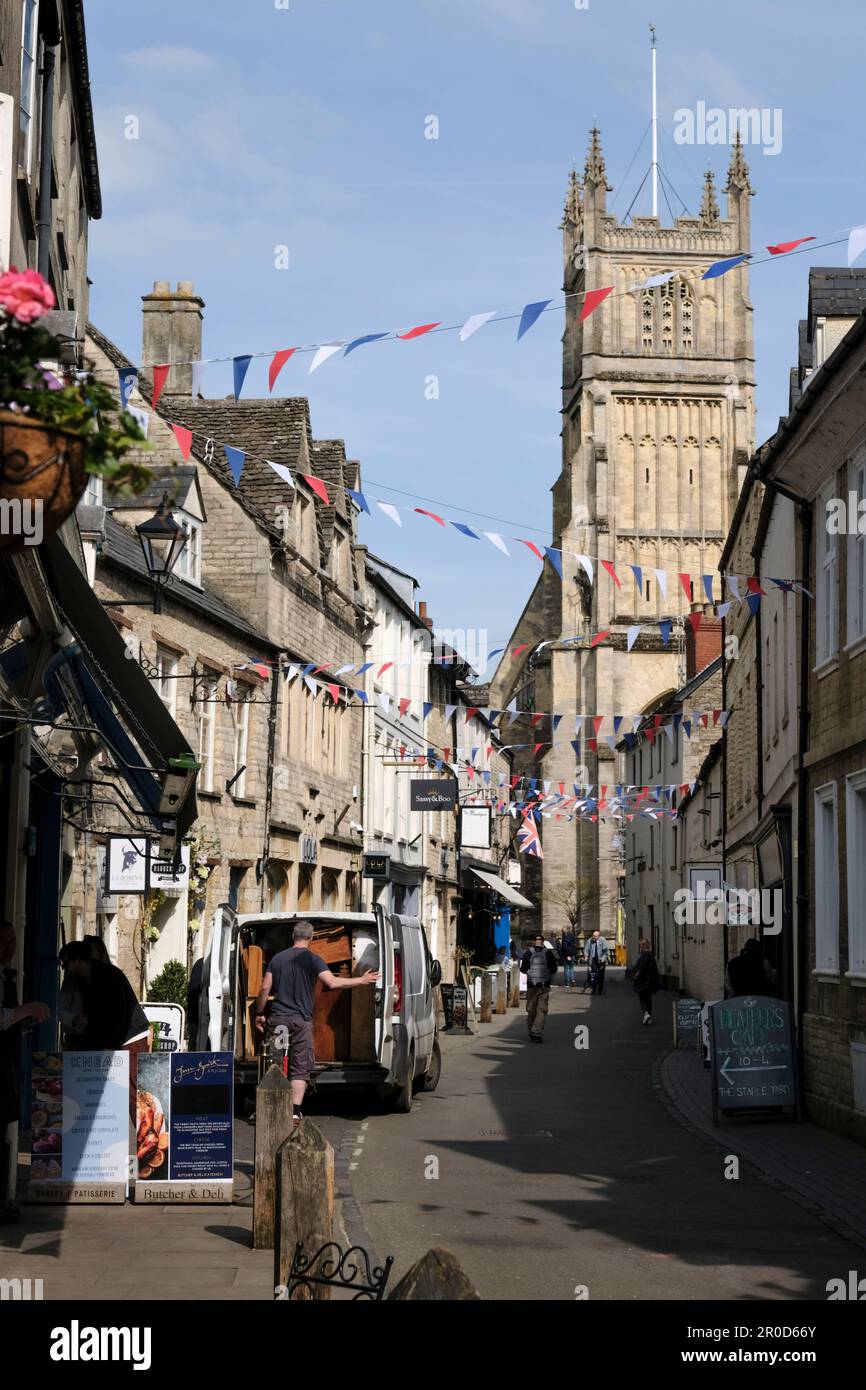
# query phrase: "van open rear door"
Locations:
[[217, 1021], [385, 991]]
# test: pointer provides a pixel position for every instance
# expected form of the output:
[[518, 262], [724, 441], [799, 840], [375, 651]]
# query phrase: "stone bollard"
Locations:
[[437, 1277], [305, 1203], [273, 1125], [486, 1015]]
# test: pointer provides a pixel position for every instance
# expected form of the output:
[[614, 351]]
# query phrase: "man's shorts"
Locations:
[[300, 1034]]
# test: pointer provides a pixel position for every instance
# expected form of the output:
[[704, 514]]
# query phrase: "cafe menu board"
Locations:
[[753, 1057], [687, 1022], [80, 1124], [184, 1127]]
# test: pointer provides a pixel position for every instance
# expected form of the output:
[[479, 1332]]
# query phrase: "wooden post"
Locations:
[[486, 997], [514, 993], [436, 1277], [305, 1202], [501, 990], [273, 1125]]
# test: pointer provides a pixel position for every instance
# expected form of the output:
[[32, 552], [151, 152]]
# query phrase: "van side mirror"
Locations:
[[435, 974]]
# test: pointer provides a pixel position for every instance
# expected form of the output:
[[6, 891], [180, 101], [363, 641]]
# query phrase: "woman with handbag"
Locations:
[[646, 979]]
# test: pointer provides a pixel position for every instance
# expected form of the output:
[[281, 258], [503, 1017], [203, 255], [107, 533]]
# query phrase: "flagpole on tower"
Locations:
[[655, 179]]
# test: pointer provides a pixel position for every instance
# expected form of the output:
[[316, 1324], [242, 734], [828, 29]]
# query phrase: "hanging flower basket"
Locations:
[[38, 464], [57, 424]]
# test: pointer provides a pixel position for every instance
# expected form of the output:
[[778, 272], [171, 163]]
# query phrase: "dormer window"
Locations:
[[189, 565]]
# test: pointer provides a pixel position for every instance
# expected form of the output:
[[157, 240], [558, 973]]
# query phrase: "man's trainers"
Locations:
[[646, 1018]]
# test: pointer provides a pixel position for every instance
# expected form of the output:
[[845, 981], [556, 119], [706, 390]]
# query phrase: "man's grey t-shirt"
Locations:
[[294, 973]]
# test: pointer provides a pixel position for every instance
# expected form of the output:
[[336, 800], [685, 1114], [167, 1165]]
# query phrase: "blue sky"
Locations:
[[304, 127]]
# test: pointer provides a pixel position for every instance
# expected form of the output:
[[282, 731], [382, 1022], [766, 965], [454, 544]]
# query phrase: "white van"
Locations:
[[383, 1037]]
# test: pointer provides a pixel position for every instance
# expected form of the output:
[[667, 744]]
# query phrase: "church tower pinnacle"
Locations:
[[709, 213]]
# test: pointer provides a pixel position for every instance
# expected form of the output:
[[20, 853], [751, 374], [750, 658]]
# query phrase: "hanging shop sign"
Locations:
[[126, 864], [433, 794], [753, 1057], [80, 1127], [309, 849], [170, 876], [166, 1026], [475, 827], [184, 1127], [376, 866]]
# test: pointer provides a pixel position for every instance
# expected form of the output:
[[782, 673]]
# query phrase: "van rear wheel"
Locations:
[[430, 1079], [402, 1102]]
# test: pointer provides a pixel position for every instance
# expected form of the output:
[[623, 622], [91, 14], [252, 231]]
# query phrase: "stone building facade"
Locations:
[[658, 408]]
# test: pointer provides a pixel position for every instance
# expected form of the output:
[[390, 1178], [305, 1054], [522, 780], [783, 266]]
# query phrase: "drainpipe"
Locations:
[[43, 222], [269, 785], [804, 514]]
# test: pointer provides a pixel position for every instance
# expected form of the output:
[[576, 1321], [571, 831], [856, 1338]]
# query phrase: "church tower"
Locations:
[[657, 430]]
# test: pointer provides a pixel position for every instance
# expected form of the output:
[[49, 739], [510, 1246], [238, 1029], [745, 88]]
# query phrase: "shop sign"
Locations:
[[376, 866], [184, 1127], [309, 849], [166, 1026], [432, 794], [80, 1127], [753, 1057]]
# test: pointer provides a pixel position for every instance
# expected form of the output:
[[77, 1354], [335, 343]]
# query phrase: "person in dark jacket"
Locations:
[[12, 1015], [646, 979], [539, 966], [193, 1003], [750, 972], [567, 952], [115, 1021]]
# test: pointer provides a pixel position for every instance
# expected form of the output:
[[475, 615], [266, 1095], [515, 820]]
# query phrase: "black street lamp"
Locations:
[[162, 542]]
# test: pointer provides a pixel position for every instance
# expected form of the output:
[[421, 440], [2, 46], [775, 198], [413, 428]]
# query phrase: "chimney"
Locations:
[[422, 613], [171, 332], [704, 647]]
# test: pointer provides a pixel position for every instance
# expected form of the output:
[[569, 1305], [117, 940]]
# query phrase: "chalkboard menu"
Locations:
[[447, 992], [753, 1059], [687, 1022]]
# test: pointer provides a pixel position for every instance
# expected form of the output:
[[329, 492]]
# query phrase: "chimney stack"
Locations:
[[707, 645], [171, 332], [422, 613]]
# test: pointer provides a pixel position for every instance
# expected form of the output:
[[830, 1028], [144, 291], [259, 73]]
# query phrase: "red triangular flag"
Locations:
[[469, 713], [432, 515], [754, 586], [517, 650], [405, 703], [599, 637], [537, 746], [159, 378], [716, 713], [382, 669], [334, 692], [418, 331], [608, 565], [318, 487], [686, 581], [784, 246], [278, 361], [184, 439], [533, 547], [597, 721], [592, 299], [536, 720], [695, 621]]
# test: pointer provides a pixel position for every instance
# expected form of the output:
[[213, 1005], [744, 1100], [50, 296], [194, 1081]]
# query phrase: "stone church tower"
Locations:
[[657, 430]]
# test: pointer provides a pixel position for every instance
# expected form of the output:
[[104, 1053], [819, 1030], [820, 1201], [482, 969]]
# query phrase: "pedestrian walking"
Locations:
[[12, 1016], [291, 978], [567, 951], [539, 966], [597, 955], [750, 972], [646, 979]]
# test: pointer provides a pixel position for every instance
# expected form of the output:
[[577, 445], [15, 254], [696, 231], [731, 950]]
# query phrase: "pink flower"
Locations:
[[25, 295]]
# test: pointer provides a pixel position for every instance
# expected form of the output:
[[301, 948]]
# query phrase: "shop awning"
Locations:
[[505, 890], [138, 728]]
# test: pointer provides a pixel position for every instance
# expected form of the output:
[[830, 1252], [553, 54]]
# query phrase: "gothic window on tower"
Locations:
[[647, 317], [687, 309], [667, 323]]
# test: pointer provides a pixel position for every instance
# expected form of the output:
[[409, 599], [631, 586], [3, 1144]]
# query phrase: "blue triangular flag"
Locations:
[[555, 558], [465, 530], [359, 342], [240, 366], [722, 267], [638, 578], [128, 379], [426, 708], [235, 459], [708, 587], [754, 602], [665, 629], [531, 312], [360, 499]]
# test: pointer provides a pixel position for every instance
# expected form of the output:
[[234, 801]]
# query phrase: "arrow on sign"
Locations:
[[726, 1070]]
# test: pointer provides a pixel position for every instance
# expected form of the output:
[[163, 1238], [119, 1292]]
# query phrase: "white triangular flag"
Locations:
[[391, 511], [497, 541], [856, 243], [473, 323], [585, 561], [311, 686], [653, 280], [324, 352], [141, 418], [197, 379], [282, 472], [633, 634], [662, 581]]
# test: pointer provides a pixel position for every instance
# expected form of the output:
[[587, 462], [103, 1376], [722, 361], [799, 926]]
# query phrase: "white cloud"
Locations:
[[168, 60]]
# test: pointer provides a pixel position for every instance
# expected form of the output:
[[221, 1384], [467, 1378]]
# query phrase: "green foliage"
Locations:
[[169, 987], [82, 405]]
